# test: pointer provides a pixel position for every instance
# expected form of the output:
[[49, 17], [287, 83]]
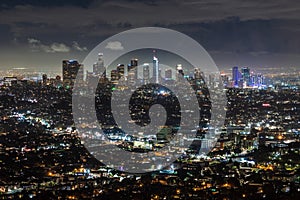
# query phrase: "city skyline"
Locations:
[[167, 60], [150, 99]]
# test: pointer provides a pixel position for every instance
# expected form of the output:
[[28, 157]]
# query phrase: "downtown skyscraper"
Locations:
[[70, 70], [155, 68]]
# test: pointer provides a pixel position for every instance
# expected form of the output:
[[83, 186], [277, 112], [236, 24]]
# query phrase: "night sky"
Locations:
[[38, 34]]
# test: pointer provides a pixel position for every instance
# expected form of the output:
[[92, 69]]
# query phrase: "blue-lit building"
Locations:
[[260, 80], [246, 76], [236, 75]]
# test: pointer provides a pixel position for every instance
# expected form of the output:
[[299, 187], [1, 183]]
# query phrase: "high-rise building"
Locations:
[[99, 72], [114, 76], [155, 68], [146, 73], [99, 65], [71, 70], [260, 80], [246, 76], [134, 62], [132, 70], [235, 76], [120, 70]]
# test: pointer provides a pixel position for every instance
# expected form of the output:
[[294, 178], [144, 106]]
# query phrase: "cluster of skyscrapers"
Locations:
[[156, 72], [245, 78], [131, 72]]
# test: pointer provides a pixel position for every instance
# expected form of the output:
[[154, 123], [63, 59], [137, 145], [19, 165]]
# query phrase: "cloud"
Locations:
[[95, 21], [140, 13], [33, 41], [8, 4], [77, 47], [38, 46], [59, 47], [115, 45]]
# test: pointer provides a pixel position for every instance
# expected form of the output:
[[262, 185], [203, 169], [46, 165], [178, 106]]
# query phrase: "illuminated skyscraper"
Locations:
[[120, 70], [260, 80], [132, 70], [155, 68], [99, 65], [71, 70], [246, 76], [114, 76], [235, 76], [134, 62]]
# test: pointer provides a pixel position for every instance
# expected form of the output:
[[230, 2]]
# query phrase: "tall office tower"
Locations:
[[71, 70], [134, 62], [132, 70], [120, 70], [168, 74], [146, 73], [235, 76], [114, 76], [99, 65], [246, 76], [155, 68]]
